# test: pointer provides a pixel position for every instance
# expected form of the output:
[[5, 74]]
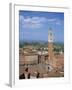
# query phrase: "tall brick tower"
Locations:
[[50, 46]]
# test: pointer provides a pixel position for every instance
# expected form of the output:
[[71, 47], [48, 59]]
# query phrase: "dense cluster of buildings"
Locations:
[[39, 64]]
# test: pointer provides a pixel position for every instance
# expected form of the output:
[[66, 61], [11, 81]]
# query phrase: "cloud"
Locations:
[[55, 21], [51, 20], [36, 22], [31, 22], [59, 22]]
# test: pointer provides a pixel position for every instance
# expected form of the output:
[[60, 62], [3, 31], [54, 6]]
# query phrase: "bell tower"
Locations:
[[50, 46]]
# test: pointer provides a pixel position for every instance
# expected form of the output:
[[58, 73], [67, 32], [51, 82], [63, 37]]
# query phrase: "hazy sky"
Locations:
[[34, 25]]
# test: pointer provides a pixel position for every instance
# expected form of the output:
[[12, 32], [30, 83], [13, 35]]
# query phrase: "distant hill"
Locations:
[[37, 43]]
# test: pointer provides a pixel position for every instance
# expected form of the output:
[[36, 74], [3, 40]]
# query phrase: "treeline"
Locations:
[[57, 46], [36, 44]]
